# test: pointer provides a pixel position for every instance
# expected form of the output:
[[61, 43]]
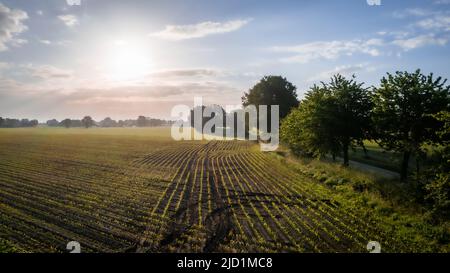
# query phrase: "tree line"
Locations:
[[108, 122], [86, 122], [17, 123], [407, 114]]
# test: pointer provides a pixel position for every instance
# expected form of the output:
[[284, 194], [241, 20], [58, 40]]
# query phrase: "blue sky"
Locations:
[[128, 58]]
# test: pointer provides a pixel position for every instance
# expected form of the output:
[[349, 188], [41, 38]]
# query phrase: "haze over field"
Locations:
[[111, 58]]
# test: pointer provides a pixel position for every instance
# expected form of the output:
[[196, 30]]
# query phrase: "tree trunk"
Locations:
[[404, 169], [345, 152], [417, 168], [366, 155], [334, 157]]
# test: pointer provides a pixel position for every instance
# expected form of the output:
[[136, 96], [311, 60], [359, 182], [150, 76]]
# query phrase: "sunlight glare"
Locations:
[[126, 60]]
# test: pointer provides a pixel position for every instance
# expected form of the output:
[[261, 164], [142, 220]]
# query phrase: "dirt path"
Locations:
[[375, 170], [384, 173]]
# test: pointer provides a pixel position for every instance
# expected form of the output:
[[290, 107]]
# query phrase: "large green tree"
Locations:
[[272, 90], [87, 122], [331, 119], [66, 123], [352, 107], [308, 128], [141, 121], [404, 106]]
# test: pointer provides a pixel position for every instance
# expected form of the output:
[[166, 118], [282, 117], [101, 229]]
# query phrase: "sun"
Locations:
[[127, 60]]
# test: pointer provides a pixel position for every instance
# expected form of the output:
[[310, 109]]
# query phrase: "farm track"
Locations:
[[177, 197]]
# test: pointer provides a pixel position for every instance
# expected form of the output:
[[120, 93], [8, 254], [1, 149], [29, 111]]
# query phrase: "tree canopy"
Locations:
[[331, 119], [403, 114], [272, 90], [87, 122]]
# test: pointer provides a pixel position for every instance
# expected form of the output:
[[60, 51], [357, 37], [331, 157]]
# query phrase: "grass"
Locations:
[[390, 201], [377, 156]]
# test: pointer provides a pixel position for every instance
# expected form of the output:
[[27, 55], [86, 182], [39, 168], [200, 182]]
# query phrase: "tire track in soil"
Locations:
[[217, 224]]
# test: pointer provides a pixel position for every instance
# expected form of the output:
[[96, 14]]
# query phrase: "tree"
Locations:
[[403, 113], [11, 123], [34, 123], [305, 130], [272, 90], [76, 123], [352, 107], [24, 122], [87, 122], [66, 123], [141, 121], [331, 119], [108, 122], [52, 123]]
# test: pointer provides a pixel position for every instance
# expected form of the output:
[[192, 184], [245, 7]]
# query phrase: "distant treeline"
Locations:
[[86, 122], [17, 123]]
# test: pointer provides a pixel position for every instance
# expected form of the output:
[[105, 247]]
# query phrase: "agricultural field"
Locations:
[[136, 190]]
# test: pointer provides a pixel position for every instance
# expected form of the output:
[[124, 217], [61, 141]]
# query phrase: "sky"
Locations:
[[122, 59]]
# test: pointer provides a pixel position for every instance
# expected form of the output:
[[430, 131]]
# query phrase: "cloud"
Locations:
[[416, 12], [345, 70], [391, 40], [47, 72], [442, 2], [395, 34], [54, 43], [69, 20], [150, 92], [305, 53], [11, 24], [18, 42], [185, 73], [419, 41], [46, 91], [182, 32], [435, 20], [45, 42], [4, 65], [431, 27], [127, 101], [440, 22]]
